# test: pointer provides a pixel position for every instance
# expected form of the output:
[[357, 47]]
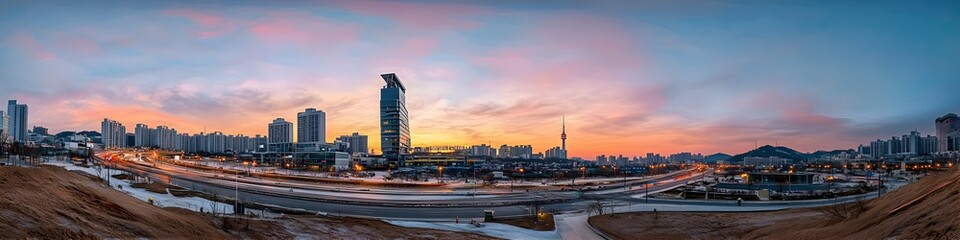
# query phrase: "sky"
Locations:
[[631, 77]]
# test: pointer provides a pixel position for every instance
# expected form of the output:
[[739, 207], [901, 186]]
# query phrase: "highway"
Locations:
[[377, 204], [439, 205]]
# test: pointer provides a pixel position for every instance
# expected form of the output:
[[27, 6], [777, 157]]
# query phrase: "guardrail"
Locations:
[[313, 179]]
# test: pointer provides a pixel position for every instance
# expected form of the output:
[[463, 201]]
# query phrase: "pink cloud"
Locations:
[[211, 24], [569, 49], [29, 46], [206, 19], [592, 35], [285, 28], [420, 15], [80, 44]]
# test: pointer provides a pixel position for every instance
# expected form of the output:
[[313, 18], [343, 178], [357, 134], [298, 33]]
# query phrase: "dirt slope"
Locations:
[[53, 203], [928, 209], [934, 215]]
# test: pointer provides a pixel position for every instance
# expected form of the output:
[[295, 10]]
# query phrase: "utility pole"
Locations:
[[706, 192], [646, 192], [879, 184], [236, 194]]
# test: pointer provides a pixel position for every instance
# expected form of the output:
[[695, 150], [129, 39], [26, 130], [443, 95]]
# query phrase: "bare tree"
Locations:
[[596, 207], [845, 211], [213, 205]]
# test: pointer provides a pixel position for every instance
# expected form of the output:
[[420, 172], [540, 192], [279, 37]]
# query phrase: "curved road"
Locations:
[[442, 206], [380, 205]]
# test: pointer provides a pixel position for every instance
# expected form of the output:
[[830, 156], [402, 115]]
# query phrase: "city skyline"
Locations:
[[630, 85]]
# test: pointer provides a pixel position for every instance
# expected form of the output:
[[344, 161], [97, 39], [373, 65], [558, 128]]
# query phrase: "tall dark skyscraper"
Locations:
[[394, 123], [17, 115]]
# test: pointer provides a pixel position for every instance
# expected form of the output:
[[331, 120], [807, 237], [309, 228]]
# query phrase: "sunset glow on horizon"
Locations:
[[631, 78]]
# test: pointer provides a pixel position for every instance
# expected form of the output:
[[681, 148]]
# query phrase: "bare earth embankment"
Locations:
[[53, 203], [927, 209]]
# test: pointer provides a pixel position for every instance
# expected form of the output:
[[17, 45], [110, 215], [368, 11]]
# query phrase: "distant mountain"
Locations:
[[716, 157], [822, 153], [65, 134], [771, 151], [786, 153], [89, 134]]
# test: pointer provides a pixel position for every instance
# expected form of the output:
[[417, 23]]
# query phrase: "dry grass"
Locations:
[[52, 203], [545, 223], [932, 217], [290, 227], [690, 225], [155, 187]]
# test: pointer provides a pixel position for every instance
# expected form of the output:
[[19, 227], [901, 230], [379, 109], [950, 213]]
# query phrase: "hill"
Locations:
[[716, 157], [822, 153], [786, 153], [771, 151], [926, 209], [53, 203]]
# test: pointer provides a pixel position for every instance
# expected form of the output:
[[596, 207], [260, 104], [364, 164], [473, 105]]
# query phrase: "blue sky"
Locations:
[[631, 76]]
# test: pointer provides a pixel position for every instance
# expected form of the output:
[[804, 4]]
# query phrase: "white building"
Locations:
[[17, 114], [765, 161], [143, 135], [483, 150], [113, 134], [4, 126], [216, 142], [163, 137], [555, 152], [312, 126]]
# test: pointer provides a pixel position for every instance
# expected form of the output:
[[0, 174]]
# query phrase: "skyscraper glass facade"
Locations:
[[394, 124]]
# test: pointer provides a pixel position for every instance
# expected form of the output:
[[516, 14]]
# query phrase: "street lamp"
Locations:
[[646, 192], [440, 178], [236, 191]]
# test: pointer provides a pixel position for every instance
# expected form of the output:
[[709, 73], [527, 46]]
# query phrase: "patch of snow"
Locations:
[[163, 200], [490, 229]]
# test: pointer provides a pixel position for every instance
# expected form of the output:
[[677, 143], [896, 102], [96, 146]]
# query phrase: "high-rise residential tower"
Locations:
[[17, 114], [113, 134], [948, 130], [394, 124], [143, 135], [4, 126], [163, 137], [312, 126], [279, 134]]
